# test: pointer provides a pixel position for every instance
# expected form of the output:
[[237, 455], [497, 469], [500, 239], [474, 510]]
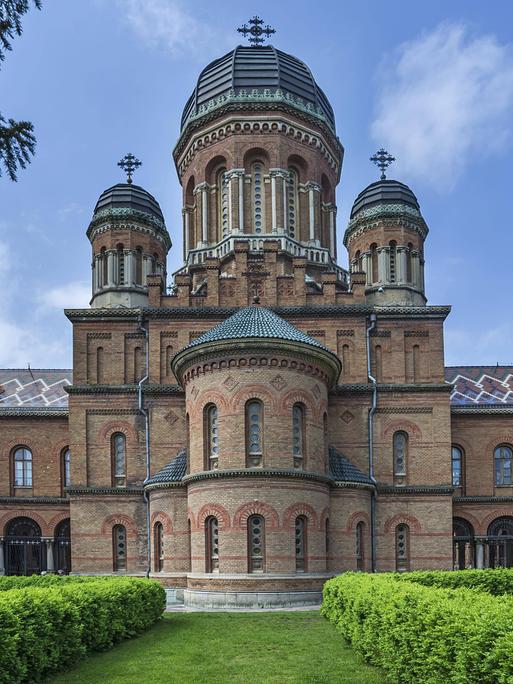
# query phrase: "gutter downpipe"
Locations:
[[144, 412], [372, 411]]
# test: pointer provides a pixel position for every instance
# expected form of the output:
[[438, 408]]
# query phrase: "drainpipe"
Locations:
[[144, 412], [372, 411]]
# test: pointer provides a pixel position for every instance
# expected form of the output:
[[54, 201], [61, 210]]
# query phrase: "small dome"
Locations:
[[260, 72], [384, 192], [128, 196]]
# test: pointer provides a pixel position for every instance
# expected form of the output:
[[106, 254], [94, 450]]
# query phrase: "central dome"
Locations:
[[262, 73]]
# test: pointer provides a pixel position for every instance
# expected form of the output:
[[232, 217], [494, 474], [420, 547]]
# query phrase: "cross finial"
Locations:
[[129, 164], [256, 31], [382, 160]]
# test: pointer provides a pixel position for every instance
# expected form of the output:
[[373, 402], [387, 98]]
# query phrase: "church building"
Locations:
[[269, 419]]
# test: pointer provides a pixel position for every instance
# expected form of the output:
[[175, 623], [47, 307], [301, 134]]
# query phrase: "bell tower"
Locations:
[[130, 242]]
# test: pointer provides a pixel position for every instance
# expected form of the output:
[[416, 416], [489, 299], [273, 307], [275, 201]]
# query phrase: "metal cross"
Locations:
[[256, 31], [382, 160], [129, 164]]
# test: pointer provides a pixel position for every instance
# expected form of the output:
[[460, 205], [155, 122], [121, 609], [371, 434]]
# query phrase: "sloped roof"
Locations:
[[174, 471], [480, 385], [34, 388], [342, 470], [255, 322]]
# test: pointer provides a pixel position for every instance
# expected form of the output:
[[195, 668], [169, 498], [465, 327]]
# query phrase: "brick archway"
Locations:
[[401, 519], [297, 509], [355, 518], [164, 519], [216, 511], [46, 530], [268, 513], [119, 519]]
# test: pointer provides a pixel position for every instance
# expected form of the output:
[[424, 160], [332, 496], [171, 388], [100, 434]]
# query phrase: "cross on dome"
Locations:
[[129, 164], [382, 159], [256, 31]]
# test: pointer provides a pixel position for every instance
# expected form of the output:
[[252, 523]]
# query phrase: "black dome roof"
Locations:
[[262, 68], [124, 195], [384, 192]]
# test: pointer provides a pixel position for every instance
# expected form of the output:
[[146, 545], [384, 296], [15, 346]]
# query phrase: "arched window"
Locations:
[[402, 548], [99, 365], [298, 435], [378, 363], [104, 267], [118, 458], [374, 263], [62, 547], [356, 262], [158, 546], [254, 433], [118, 548], [500, 542], [223, 219], [503, 456], [257, 171], [256, 543], [211, 437], [457, 466], [400, 443], [463, 546], [293, 203], [409, 258], [345, 361], [211, 544], [138, 364], [139, 266], [66, 467], [360, 546], [120, 275], [392, 260], [300, 539], [416, 362], [22, 467]]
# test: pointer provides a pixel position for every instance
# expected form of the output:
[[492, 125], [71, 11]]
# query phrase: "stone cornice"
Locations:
[[214, 312], [482, 499], [385, 215], [123, 218], [34, 500], [32, 412], [102, 491], [174, 390], [406, 490], [360, 388], [483, 410], [256, 473]]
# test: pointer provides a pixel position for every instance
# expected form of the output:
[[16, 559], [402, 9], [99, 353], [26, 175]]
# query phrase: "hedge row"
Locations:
[[21, 582], [423, 634], [495, 582], [45, 629]]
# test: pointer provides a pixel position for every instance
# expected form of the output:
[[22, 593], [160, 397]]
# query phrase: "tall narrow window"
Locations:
[[345, 361], [400, 442], [457, 466], [169, 356], [325, 435], [254, 437], [120, 276], [298, 435], [356, 262], [139, 266], [416, 362], [402, 548], [293, 203], [66, 467], [378, 363], [211, 437], [223, 208], [409, 258], [374, 263], [158, 546], [392, 260], [104, 267], [258, 197], [360, 546], [118, 455], [212, 544], [22, 467], [300, 538], [118, 548], [256, 543], [503, 457], [138, 364], [99, 365]]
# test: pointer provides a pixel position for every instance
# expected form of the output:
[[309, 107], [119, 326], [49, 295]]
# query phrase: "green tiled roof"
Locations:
[[172, 472], [255, 322], [342, 470]]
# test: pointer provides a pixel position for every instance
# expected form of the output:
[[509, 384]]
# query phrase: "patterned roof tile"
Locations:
[[36, 387], [343, 470], [480, 385], [174, 471]]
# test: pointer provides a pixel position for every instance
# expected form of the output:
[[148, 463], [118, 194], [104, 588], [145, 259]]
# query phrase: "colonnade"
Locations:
[[112, 268]]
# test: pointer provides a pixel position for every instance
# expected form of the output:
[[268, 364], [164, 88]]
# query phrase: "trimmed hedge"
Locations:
[[423, 634], [495, 582], [45, 629], [20, 582]]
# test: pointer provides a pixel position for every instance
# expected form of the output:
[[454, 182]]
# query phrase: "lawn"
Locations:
[[238, 648]]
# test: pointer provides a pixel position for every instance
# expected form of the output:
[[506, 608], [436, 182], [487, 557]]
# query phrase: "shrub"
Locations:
[[423, 634], [46, 628], [495, 582]]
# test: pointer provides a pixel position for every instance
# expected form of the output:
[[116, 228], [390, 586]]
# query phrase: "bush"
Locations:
[[46, 628], [495, 582], [20, 582], [423, 634]]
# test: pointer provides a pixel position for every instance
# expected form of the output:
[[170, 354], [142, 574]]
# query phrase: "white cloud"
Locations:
[[488, 347], [443, 98], [167, 24], [74, 295]]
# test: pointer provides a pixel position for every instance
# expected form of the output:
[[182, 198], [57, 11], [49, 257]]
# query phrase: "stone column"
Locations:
[[479, 555], [312, 203], [368, 268], [203, 189], [110, 269], [185, 213], [401, 264], [415, 271], [285, 202], [129, 270], [273, 201], [50, 567], [383, 265], [333, 250], [241, 200]]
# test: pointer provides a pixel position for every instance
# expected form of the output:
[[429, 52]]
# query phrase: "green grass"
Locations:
[[226, 648]]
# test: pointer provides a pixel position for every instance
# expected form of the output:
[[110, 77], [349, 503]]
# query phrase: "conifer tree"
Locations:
[[17, 141]]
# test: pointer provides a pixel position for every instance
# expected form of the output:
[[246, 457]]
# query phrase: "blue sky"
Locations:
[[432, 81]]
